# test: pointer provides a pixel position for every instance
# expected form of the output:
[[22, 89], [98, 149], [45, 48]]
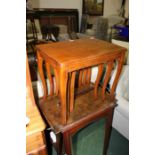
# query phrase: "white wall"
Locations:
[[111, 7], [127, 9], [57, 3]]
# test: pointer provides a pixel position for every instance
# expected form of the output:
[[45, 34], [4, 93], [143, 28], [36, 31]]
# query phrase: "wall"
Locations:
[[111, 7], [72, 4], [127, 9]]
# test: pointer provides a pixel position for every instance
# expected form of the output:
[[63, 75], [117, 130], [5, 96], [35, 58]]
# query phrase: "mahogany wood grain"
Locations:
[[80, 78], [71, 91], [119, 69], [63, 92], [49, 77], [88, 76], [69, 56], [59, 144], [67, 142], [84, 80], [108, 128], [84, 77], [86, 111], [85, 104], [80, 53], [57, 81]]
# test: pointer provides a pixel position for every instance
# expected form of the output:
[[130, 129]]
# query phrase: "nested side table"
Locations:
[[68, 108]]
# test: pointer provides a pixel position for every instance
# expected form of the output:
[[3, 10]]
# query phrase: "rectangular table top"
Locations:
[[79, 52]]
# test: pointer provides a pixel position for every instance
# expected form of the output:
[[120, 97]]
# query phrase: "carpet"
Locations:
[[89, 141]]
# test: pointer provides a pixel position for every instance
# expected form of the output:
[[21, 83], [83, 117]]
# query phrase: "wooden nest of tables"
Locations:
[[69, 106]]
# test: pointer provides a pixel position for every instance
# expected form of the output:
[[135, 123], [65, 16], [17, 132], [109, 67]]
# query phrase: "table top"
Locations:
[[86, 106], [80, 52]]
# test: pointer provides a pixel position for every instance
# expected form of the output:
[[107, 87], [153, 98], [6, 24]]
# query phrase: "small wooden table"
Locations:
[[69, 56]]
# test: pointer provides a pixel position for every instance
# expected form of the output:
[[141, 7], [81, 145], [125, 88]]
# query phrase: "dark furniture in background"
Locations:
[[69, 17], [48, 18]]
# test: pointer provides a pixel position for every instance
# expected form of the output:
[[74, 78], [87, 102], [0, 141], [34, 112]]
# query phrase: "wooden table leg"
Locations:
[[108, 127], [63, 94], [67, 142], [71, 91], [41, 73], [119, 69], [59, 144]]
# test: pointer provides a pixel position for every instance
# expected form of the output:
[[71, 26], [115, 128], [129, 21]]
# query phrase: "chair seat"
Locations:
[[85, 109]]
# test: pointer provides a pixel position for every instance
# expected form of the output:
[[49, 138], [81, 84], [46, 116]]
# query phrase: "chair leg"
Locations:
[[67, 142], [108, 128]]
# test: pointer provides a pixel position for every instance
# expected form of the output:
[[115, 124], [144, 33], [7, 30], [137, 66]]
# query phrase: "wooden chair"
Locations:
[[32, 37], [86, 102]]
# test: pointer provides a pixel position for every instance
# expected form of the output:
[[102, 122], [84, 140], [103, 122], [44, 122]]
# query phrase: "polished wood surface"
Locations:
[[82, 54], [72, 107], [85, 106], [35, 140]]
